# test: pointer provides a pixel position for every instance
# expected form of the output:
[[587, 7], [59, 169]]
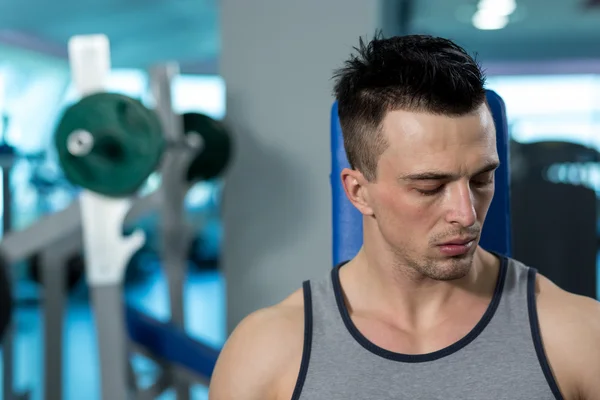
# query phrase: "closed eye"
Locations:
[[430, 192], [482, 179], [481, 182], [485, 180]]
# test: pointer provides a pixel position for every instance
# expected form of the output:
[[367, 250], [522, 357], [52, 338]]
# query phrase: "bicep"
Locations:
[[570, 329], [588, 367], [589, 375], [584, 352]]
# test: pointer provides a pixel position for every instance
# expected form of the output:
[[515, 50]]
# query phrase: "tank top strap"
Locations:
[[323, 325], [517, 318]]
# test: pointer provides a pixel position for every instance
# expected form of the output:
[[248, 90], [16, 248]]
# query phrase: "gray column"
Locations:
[[277, 60]]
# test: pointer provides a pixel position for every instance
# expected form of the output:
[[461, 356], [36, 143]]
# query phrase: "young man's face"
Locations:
[[434, 186]]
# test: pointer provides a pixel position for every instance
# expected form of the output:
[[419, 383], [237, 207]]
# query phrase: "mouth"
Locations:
[[457, 247], [458, 241]]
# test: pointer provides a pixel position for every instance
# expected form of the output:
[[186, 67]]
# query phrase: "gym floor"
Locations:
[[205, 320]]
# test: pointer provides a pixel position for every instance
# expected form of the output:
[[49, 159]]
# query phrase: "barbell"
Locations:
[[110, 143]]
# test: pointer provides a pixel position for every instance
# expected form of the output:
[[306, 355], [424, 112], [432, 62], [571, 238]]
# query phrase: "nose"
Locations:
[[461, 204]]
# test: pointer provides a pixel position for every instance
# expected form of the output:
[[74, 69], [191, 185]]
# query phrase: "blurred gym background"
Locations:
[[264, 67]]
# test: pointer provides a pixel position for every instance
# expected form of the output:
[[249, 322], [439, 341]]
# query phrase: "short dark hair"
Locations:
[[413, 73]]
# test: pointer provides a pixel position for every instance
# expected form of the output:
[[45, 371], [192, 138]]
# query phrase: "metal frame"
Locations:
[[56, 238], [176, 235], [94, 223]]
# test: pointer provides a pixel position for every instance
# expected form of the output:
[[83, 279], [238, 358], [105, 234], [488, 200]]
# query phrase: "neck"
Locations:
[[399, 293]]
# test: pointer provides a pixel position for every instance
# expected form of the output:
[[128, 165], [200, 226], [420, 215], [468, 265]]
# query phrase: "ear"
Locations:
[[355, 186]]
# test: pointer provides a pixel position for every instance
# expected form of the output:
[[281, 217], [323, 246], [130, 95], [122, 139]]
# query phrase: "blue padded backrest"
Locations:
[[347, 221]]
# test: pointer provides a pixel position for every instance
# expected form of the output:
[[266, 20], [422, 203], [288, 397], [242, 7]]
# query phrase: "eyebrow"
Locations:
[[442, 176]]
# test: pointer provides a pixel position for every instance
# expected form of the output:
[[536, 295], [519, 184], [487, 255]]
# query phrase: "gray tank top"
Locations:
[[502, 358]]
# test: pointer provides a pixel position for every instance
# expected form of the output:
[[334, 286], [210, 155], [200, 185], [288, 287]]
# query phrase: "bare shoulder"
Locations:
[[570, 330], [262, 354]]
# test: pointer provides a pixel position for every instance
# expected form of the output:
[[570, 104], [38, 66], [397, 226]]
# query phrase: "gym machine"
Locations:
[[109, 144], [55, 238]]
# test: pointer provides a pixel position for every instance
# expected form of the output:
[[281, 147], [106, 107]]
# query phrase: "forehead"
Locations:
[[419, 140]]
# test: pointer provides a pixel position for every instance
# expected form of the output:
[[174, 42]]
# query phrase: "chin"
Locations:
[[448, 269]]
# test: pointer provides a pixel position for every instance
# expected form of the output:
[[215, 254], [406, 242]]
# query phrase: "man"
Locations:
[[421, 312]]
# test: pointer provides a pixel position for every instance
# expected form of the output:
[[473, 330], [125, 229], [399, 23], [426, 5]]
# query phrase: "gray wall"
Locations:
[[277, 59]]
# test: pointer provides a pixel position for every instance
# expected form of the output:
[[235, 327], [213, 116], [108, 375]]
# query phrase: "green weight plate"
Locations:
[[216, 146], [109, 143]]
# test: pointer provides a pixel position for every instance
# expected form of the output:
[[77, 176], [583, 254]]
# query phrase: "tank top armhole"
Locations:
[[537, 337], [308, 327]]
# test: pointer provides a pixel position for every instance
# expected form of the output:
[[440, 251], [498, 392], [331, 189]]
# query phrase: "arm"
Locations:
[[258, 356], [586, 349], [570, 328]]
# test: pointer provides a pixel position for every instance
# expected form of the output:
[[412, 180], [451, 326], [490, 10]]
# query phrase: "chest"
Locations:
[[372, 378], [406, 339]]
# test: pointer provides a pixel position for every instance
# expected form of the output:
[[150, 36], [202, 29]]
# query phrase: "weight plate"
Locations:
[[215, 146], [109, 143]]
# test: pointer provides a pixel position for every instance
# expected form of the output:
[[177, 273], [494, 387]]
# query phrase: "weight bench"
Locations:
[[347, 220]]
